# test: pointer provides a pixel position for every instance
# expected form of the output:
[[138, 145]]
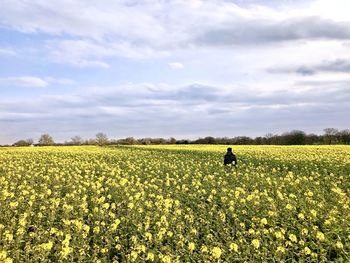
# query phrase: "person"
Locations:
[[230, 158]]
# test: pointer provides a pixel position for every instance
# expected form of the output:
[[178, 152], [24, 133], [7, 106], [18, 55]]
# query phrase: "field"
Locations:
[[174, 204]]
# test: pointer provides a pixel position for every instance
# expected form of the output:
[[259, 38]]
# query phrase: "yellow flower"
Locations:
[[191, 246], [320, 236], [13, 204], [8, 237], [96, 229], [339, 245], [150, 256], [48, 246], [280, 249], [234, 247], [304, 231], [289, 206], [141, 248], [3, 254], [133, 255], [105, 206], [216, 252], [293, 238], [313, 213], [204, 249], [115, 225], [166, 259], [307, 251], [148, 236], [279, 235], [301, 216], [263, 221], [66, 251], [256, 243]]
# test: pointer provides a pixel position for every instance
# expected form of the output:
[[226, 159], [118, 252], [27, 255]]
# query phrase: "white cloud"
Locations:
[[337, 10], [143, 29], [4, 51], [165, 110], [25, 81], [61, 81], [32, 81], [90, 53], [176, 65]]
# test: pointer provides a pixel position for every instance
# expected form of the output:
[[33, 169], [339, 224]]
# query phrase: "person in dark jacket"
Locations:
[[230, 158]]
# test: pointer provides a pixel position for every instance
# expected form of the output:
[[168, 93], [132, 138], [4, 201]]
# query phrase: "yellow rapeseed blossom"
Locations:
[[304, 231], [234, 247], [3, 255], [280, 249], [313, 212], [256, 243], [289, 206], [216, 252], [166, 259], [150, 256], [204, 249], [172, 203], [307, 251], [301, 216], [293, 238], [279, 235], [191, 246], [339, 245], [320, 236], [263, 221]]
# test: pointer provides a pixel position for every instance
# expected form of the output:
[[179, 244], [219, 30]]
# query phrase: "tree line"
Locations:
[[295, 137]]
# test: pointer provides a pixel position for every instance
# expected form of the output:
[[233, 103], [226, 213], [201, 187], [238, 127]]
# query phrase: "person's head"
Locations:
[[229, 149]]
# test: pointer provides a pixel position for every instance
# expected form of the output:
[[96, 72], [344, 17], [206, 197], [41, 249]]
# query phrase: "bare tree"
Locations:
[[330, 135], [77, 140], [101, 139], [26, 142], [45, 140], [345, 136], [172, 140]]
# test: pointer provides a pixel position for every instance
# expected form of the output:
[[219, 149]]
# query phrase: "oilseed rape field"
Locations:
[[174, 204]]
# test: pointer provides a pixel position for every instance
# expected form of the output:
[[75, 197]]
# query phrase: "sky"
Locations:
[[172, 68]]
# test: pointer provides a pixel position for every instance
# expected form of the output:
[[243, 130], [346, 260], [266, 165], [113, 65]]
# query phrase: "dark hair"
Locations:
[[229, 149]]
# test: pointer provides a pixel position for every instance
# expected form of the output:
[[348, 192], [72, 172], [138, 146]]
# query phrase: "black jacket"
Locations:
[[230, 158]]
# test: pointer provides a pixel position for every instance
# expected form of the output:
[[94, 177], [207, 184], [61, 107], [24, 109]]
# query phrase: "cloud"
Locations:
[[339, 65], [25, 81], [7, 52], [334, 66], [176, 65], [144, 29], [31, 81], [258, 32], [90, 53], [78, 53], [165, 110]]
